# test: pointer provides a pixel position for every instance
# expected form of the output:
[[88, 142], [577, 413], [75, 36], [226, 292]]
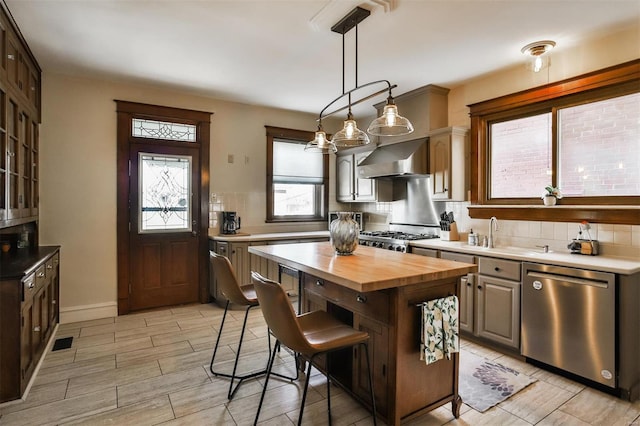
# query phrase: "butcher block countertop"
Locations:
[[367, 269]]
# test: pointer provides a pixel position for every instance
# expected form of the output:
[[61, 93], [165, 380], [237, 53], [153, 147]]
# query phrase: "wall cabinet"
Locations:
[[29, 292], [19, 122], [449, 162], [350, 188]]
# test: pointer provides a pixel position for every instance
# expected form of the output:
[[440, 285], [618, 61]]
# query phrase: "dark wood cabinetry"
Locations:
[[20, 91], [29, 292]]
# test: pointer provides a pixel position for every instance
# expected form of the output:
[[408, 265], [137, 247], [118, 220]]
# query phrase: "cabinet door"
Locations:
[[222, 248], [30, 335], [13, 61], [241, 262], [365, 189], [14, 196], [498, 310], [54, 290], [466, 302], [345, 190], [378, 358], [440, 165], [4, 156]]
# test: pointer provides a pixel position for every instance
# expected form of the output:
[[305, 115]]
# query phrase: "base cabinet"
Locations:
[[28, 315], [497, 315], [244, 262]]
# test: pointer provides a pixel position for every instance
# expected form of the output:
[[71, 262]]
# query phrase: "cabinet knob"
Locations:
[[361, 299], [479, 287], [54, 301], [49, 266], [40, 274], [11, 57], [36, 328], [468, 284], [319, 283], [32, 284], [497, 269]]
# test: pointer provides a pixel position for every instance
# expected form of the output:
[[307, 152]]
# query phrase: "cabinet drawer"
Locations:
[[465, 258], [373, 305], [41, 275], [28, 287], [506, 269]]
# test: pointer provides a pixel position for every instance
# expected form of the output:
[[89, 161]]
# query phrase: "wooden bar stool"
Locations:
[[244, 295], [309, 334]]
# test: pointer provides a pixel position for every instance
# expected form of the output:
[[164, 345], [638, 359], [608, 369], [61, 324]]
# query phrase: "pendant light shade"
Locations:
[[390, 123], [350, 135], [320, 144]]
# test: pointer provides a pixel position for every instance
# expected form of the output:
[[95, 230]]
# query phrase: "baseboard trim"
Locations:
[[88, 312]]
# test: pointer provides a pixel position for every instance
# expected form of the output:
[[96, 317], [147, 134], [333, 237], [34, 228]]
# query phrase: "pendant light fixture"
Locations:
[[537, 50], [389, 124]]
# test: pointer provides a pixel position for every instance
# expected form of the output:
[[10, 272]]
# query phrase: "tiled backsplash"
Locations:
[[614, 240]]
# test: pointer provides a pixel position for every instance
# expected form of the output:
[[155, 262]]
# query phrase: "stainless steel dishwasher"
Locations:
[[568, 320]]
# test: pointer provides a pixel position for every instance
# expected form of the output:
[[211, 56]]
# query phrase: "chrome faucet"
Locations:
[[493, 226]]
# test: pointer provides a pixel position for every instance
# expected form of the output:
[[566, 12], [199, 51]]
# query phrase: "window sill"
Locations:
[[620, 215]]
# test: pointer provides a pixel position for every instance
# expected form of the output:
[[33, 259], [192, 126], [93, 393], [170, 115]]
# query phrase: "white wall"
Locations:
[[78, 175]]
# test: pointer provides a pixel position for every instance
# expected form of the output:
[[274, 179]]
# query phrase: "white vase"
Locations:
[[549, 200], [344, 232]]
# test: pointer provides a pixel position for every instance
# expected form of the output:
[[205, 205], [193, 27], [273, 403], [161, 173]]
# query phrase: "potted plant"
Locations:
[[551, 196]]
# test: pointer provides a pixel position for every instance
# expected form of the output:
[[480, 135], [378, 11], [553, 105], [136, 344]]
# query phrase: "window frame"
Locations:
[[603, 84], [301, 137]]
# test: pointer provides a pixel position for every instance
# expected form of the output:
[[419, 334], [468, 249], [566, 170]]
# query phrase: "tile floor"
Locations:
[[152, 368]]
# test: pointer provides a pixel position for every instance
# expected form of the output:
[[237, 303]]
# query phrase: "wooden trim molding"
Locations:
[[609, 82], [613, 215]]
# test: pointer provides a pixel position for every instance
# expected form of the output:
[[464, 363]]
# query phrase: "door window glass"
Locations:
[[154, 129], [165, 193]]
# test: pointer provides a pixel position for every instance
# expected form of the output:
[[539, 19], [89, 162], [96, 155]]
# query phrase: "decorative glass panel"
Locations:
[[163, 130], [165, 193]]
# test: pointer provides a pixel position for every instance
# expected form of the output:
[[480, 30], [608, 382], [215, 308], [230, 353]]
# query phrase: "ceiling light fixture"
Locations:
[[537, 51], [389, 124]]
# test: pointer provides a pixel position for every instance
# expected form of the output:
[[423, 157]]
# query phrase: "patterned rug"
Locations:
[[484, 383]]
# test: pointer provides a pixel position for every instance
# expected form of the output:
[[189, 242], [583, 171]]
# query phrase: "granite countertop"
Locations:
[[367, 269], [242, 237], [618, 265], [20, 262]]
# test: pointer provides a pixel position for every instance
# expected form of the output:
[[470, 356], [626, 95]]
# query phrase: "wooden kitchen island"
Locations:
[[378, 291]]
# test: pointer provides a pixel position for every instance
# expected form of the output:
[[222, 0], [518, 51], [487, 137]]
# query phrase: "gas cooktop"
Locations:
[[391, 240], [396, 235]]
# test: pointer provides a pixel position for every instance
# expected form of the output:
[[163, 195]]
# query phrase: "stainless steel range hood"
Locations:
[[398, 159]]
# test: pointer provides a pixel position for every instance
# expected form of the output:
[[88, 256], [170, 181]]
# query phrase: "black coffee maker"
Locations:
[[230, 222]]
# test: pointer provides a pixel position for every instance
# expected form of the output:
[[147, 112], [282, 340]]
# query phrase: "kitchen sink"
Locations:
[[522, 251]]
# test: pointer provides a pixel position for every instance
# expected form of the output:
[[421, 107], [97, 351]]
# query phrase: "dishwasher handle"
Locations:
[[569, 280]]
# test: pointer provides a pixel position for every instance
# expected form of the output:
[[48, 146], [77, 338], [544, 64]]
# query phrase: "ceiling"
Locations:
[[282, 53]]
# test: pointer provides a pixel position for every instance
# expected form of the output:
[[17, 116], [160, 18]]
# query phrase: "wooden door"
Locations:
[[163, 209], [164, 231]]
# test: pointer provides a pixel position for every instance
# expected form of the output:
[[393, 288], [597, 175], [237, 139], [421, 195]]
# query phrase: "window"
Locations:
[[297, 181], [581, 135]]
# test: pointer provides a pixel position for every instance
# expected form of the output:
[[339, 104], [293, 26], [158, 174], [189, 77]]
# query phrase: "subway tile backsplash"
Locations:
[[615, 240]]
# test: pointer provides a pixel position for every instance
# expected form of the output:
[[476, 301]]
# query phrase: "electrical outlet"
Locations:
[[230, 158]]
